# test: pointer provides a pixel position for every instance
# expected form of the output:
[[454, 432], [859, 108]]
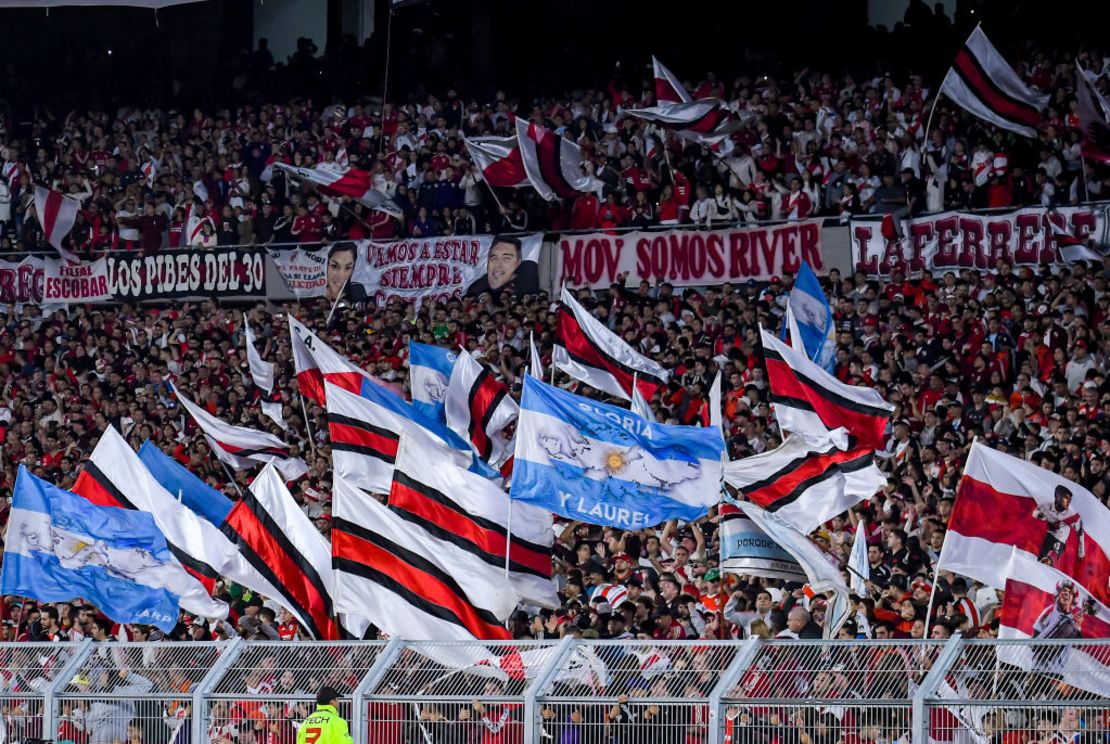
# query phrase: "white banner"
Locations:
[[439, 268], [306, 272], [21, 282], [962, 240], [687, 258], [76, 282]]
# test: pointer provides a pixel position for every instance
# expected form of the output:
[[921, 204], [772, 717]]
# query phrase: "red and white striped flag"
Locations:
[[807, 485], [707, 121], [241, 447], [282, 543], [1004, 503], [314, 362], [471, 512], [814, 404], [353, 183], [411, 586], [668, 88], [1070, 246], [56, 213], [554, 164], [478, 408], [588, 351], [1093, 112], [1043, 604], [150, 172], [499, 160], [984, 84], [365, 436]]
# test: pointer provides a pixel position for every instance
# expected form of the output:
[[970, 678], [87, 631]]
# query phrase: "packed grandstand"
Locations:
[[1013, 359]]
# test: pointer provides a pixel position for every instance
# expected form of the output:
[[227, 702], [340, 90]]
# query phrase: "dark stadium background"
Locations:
[[188, 54]]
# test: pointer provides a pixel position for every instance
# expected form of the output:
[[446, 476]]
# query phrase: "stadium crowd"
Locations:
[[1016, 359]]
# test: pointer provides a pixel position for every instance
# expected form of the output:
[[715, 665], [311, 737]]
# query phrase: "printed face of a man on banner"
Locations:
[[504, 259]]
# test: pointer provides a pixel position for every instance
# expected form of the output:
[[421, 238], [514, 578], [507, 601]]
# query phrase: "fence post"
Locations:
[[50, 696], [543, 679], [369, 681], [928, 686], [728, 680], [199, 716]]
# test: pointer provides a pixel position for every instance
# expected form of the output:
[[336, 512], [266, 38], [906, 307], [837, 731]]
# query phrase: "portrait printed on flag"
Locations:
[[507, 270]]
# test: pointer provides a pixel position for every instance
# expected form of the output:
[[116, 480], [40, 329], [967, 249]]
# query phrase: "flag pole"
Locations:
[[232, 477], [508, 538], [338, 297], [933, 109], [307, 426], [493, 193], [632, 398]]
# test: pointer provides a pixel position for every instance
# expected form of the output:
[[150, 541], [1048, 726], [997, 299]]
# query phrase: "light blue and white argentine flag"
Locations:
[[606, 465], [60, 546], [429, 372], [810, 319]]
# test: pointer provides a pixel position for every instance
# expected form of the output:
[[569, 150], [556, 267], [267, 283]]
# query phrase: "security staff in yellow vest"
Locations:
[[325, 725]]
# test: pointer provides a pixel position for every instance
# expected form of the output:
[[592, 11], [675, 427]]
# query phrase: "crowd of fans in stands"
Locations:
[[1017, 358]]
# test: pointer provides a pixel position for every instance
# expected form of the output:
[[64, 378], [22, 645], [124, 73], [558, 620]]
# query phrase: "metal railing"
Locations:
[[562, 692]]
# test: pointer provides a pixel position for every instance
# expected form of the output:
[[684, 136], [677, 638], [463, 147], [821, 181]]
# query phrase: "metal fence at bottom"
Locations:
[[562, 692]]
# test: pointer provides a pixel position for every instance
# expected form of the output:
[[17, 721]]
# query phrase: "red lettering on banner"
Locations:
[[572, 261], [893, 258], [867, 263], [809, 234], [1083, 224], [696, 259], [999, 233], [790, 262], [971, 253], [679, 269], [767, 248], [715, 249], [1048, 247], [738, 255], [1027, 244], [947, 231], [921, 234], [30, 283]]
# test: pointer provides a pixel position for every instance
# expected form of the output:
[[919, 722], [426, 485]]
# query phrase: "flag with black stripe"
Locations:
[[408, 585], [365, 434], [280, 542], [807, 484], [478, 408], [817, 406], [588, 351], [984, 84], [471, 512], [242, 447], [554, 165]]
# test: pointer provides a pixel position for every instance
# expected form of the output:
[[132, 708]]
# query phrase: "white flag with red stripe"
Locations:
[[56, 213], [365, 435], [262, 372], [1004, 503], [984, 84], [1093, 112], [353, 183], [314, 362], [498, 159], [812, 403], [807, 484], [588, 351], [554, 164], [478, 408], [1043, 604], [410, 586], [668, 88], [241, 447], [472, 513]]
